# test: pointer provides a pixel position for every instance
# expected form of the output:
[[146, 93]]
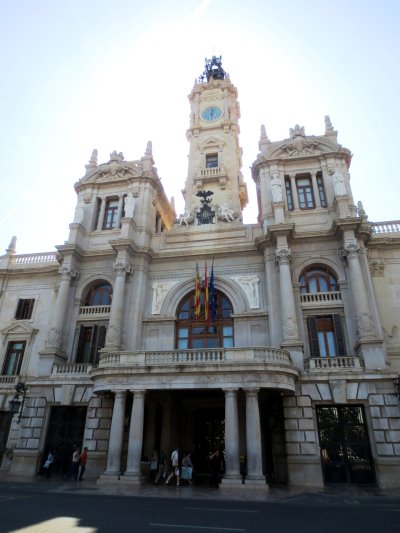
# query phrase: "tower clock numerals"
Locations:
[[211, 113]]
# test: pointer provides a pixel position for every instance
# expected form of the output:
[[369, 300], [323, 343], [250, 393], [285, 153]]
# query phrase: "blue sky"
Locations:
[[111, 75]]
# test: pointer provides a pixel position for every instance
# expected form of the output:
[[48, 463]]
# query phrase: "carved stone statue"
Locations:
[[339, 185], [129, 204], [225, 213], [187, 217], [79, 211], [160, 290], [276, 188]]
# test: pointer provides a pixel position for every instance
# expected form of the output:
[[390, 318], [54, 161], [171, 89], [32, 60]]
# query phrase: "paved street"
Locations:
[[55, 506]]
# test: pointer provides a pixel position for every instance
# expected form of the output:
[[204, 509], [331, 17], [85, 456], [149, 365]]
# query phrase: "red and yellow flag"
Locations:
[[197, 293], [206, 295]]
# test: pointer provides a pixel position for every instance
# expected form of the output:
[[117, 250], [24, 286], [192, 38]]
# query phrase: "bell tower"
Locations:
[[215, 157]]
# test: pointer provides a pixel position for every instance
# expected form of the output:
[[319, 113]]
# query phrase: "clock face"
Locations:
[[211, 113]]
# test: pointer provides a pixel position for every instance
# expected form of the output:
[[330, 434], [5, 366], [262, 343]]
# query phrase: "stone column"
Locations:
[[290, 333], [100, 220], [139, 290], [114, 331], [253, 439], [264, 194], [369, 347], [119, 210], [294, 191], [315, 189], [116, 435], [54, 339], [135, 437], [232, 464], [365, 325]]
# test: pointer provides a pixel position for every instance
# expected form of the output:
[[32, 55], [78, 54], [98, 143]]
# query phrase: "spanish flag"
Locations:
[[206, 296], [197, 292]]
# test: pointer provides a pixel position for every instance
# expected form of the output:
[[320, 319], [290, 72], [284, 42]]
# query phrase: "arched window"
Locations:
[[193, 332], [317, 280], [100, 294]]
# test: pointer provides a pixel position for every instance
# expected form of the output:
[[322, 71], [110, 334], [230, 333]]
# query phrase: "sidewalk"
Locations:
[[240, 493]]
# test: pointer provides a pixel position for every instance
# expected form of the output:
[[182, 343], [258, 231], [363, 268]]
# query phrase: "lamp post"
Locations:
[[17, 403]]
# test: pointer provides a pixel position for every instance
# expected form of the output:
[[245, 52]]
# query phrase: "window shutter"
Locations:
[[312, 335], [79, 353], [339, 335]]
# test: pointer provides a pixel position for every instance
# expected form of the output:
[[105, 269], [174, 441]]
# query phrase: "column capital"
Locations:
[[122, 267], [283, 256], [138, 393], [120, 393], [252, 392], [350, 249], [68, 272]]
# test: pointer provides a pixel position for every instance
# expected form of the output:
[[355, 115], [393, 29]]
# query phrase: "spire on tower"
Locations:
[[329, 130], [12, 247]]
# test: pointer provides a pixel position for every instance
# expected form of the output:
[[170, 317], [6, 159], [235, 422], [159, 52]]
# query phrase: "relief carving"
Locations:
[[160, 290], [249, 284]]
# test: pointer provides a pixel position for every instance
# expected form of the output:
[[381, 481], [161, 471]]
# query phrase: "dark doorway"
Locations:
[[5, 423], [345, 449], [209, 435], [66, 427]]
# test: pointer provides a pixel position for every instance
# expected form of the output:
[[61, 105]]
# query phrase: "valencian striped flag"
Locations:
[[197, 294], [212, 293], [206, 298]]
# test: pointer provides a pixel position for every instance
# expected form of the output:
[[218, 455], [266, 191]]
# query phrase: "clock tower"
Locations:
[[215, 157]]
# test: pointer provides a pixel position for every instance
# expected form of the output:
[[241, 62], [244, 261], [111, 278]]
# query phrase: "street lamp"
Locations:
[[396, 383], [17, 403]]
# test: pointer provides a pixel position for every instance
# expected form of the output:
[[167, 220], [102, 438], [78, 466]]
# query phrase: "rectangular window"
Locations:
[[91, 341], [305, 193], [24, 308], [321, 190], [211, 160], [110, 214], [325, 336], [289, 195], [13, 361]]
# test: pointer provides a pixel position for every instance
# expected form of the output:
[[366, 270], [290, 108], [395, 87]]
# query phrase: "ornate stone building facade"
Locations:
[[285, 356]]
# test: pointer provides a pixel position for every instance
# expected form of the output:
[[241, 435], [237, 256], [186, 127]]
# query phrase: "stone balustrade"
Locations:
[[72, 368], [319, 298], [92, 311], [30, 259], [8, 380], [329, 364], [209, 172], [195, 357], [386, 227]]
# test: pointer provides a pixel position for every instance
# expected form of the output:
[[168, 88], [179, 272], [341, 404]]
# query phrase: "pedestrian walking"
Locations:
[[175, 467], [82, 462], [215, 468], [153, 465], [162, 467], [48, 465], [74, 467], [187, 468]]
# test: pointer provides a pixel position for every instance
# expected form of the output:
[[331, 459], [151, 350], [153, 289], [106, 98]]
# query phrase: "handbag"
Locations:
[[186, 473]]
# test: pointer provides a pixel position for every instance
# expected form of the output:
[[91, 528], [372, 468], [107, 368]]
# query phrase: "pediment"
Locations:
[[22, 329], [211, 142], [300, 147], [112, 171]]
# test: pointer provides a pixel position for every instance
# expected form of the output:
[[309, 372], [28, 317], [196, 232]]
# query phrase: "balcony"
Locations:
[[338, 363], [203, 368], [72, 369], [380, 228], [321, 298], [210, 175], [94, 311]]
